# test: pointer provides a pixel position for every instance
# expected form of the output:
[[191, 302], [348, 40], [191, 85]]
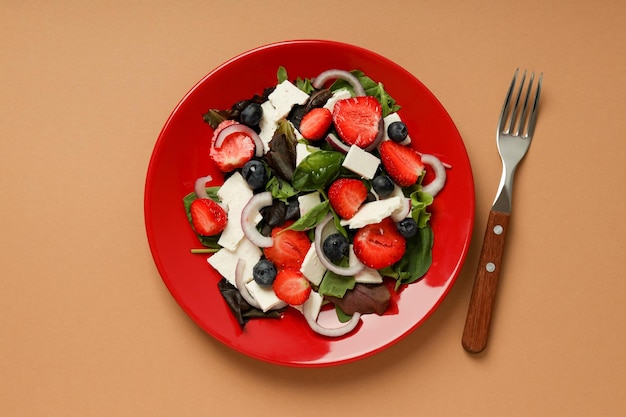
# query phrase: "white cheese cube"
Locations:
[[285, 96], [361, 162], [235, 194], [373, 212], [340, 94], [312, 305], [303, 150], [312, 267], [225, 261], [389, 119], [307, 201], [264, 295], [268, 124]]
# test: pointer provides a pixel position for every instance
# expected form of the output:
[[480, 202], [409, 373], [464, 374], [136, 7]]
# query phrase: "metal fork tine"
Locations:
[[507, 103], [520, 131], [533, 113], [514, 112]]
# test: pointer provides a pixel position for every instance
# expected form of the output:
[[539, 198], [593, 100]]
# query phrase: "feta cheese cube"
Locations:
[[373, 212], [285, 96], [312, 267], [307, 201], [264, 295], [361, 162], [235, 194], [389, 119], [225, 261], [268, 124], [313, 304], [340, 94]]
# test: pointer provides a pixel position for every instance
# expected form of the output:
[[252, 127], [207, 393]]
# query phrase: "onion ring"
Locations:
[[437, 184], [321, 79], [379, 137], [337, 143], [241, 286], [240, 128], [200, 186], [334, 332], [339, 270], [256, 203]]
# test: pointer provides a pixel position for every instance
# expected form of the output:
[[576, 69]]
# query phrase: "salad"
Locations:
[[323, 201]]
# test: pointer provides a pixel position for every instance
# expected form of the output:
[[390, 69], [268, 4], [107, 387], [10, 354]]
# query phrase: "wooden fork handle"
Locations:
[[483, 294]]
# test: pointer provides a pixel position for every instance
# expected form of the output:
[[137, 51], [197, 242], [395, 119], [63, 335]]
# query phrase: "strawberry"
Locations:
[[237, 149], [289, 247], [316, 123], [402, 163], [291, 286], [379, 245], [346, 196], [207, 217], [357, 120]]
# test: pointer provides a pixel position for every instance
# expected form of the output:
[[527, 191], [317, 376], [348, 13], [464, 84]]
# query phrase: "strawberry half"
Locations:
[[289, 247], [316, 123], [379, 245], [402, 163], [237, 149], [207, 217], [346, 195], [291, 286], [357, 120]]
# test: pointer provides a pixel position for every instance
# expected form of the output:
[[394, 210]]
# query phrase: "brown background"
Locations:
[[89, 329]]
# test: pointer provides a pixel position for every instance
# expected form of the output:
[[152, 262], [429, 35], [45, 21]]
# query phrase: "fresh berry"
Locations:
[[402, 163], [316, 123], [251, 115], [336, 247], [237, 149], [207, 217], [397, 131], [255, 174], [346, 195], [264, 272], [357, 120], [407, 227], [291, 286], [379, 245], [383, 185], [289, 247]]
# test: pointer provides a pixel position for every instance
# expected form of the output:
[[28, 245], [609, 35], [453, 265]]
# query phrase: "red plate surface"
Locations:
[[181, 155]]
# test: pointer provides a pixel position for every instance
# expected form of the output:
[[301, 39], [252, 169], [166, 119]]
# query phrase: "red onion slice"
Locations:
[[241, 286], [248, 214], [240, 128], [339, 270], [437, 184], [200, 186], [330, 74], [402, 213], [331, 332], [337, 143], [379, 137]]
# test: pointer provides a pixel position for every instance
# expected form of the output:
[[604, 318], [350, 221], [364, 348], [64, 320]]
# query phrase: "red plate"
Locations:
[[181, 155]]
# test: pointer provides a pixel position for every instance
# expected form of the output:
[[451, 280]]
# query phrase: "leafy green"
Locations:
[[317, 170], [303, 84], [208, 241], [372, 88], [335, 285], [419, 202], [280, 189], [281, 74], [416, 260], [311, 218]]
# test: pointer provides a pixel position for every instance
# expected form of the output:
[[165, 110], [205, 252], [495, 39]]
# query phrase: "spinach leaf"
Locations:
[[207, 241], [312, 218], [418, 257], [335, 285], [317, 170]]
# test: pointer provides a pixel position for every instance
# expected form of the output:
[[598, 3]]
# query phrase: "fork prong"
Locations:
[[521, 131], [507, 103], [533, 112], [514, 112]]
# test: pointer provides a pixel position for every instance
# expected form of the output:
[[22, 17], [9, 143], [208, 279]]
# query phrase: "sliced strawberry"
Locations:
[[379, 245], [316, 123], [346, 195], [402, 163], [207, 217], [291, 286], [289, 247], [237, 149], [357, 120]]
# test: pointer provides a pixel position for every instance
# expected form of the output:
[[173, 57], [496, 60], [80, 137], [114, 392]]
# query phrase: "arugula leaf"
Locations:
[[280, 189], [335, 285], [317, 170], [311, 218], [305, 85], [281, 74]]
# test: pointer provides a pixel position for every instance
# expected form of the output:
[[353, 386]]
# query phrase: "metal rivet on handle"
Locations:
[[490, 267], [498, 229]]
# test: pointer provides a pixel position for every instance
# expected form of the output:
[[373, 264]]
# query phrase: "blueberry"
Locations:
[[254, 173], [407, 227], [251, 115], [397, 131], [264, 272], [383, 185], [336, 247]]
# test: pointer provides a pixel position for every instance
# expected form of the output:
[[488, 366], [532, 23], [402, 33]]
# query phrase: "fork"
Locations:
[[516, 127]]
